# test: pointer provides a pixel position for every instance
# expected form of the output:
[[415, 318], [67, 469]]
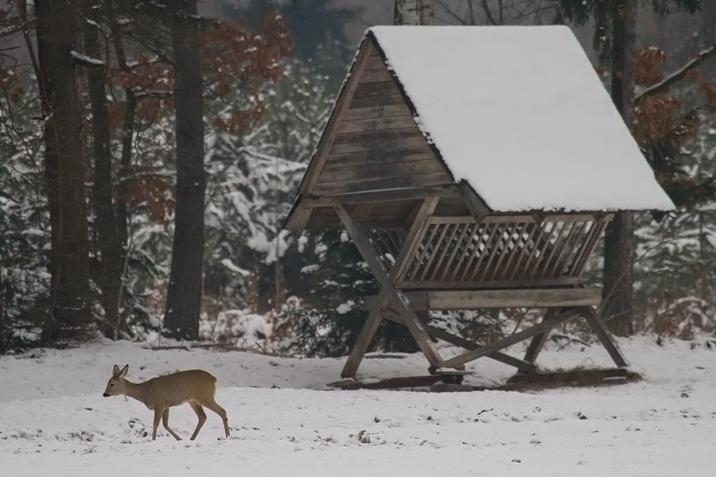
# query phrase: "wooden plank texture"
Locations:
[[376, 146], [376, 124], [530, 298], [342, 103], [400, 110], [487, 284]]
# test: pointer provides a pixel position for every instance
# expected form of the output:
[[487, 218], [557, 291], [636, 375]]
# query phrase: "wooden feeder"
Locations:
[[474, 167]]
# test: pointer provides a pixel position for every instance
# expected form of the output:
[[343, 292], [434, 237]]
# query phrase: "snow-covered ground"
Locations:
[[54, 420]]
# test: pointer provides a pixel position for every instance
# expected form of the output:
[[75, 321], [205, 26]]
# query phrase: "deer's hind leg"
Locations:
[[211, 404], [200, 414], [165, 422]]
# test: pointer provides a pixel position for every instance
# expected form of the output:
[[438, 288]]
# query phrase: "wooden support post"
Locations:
[[537, 343], [407, 315], [414, 237], [605, 337], [360, 348]]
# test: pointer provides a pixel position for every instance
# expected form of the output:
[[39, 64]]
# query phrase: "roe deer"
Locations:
[[196, 387]]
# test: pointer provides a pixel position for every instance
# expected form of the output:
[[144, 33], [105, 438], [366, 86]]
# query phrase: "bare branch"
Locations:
[[451, 13], [16, 25], [488, 13], [83, 60], [676, 75]]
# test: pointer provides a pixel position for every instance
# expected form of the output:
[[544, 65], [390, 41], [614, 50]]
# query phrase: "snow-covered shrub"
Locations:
[[685, 318], [246, 329]]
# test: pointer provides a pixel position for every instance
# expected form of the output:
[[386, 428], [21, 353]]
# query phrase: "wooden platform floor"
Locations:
[[519, 382]]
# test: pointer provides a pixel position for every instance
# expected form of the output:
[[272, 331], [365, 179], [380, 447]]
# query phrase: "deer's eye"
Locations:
[[112, 384]]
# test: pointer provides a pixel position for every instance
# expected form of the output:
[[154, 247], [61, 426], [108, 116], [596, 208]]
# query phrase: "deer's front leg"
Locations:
[[157, 418]]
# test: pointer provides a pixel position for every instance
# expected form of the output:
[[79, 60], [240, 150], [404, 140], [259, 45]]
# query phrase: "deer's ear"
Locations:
[[115, 370], [124, 371]]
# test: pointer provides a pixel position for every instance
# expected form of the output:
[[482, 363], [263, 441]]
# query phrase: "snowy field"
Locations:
[[54, 420]]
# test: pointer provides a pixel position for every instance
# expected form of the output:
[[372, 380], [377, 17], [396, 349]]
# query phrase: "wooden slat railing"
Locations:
[[458, 252]]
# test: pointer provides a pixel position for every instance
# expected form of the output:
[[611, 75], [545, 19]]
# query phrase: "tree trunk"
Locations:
[[64, 169], [125, 162], [109, 245], [185, 282], [125, 171], [619, 237], [2, 313], [707, 35], [413, 12], [708, 24]]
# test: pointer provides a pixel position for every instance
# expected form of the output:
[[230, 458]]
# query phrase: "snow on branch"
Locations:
[[151, 93], [93, 24], [83, 60], [16, 25], [676, 75]]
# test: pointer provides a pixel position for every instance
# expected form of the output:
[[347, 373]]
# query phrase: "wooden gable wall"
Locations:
[[374, 142]]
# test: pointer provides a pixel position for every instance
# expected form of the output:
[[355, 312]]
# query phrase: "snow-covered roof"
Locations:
[[521, 115]]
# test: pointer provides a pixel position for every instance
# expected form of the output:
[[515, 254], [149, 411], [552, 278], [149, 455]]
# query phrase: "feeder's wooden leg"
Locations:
[[537, 343], [407, 315], [360, 348], [605, 337], [416, 329]]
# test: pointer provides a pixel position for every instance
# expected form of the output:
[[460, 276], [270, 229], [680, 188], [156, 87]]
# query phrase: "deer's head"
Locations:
[[116, 384]]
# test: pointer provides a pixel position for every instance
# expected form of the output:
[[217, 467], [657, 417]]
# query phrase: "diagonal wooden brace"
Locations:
[[538, 341], [389, 294], [605, 337], [510, 340], [470, 345]]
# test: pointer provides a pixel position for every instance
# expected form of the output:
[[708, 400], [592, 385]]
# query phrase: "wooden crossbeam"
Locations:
[[510, 340], [376, 196], [471, 345], [441, 334], [503, 298], [512, 218], [420, 283]]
